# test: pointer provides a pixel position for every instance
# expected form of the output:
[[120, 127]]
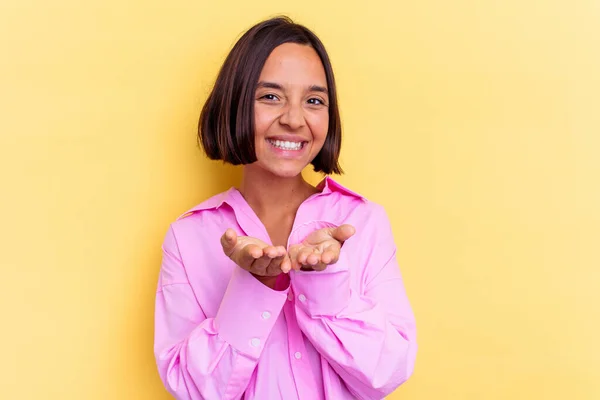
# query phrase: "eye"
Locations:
[[270, 97], [316, 101]]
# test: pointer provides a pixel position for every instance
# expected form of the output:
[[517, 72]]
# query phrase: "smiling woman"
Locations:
[[291, 115], [276, 62], [301, 297]]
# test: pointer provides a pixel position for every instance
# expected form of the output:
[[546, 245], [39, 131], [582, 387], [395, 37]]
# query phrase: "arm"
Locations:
[[209, 358], [368, 338]]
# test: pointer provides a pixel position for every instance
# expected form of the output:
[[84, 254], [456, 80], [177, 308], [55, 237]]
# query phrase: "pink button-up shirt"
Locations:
[[343, 333]]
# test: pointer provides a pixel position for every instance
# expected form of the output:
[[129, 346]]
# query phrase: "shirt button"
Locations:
[[255, 342], [302, 298], [266, 315], [298, 355]]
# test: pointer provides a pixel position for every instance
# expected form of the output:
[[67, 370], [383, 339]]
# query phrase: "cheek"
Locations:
[[260, 126], [262, 120], [319, 125]]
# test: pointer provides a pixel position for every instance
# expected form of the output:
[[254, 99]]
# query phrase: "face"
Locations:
[[290, 110]]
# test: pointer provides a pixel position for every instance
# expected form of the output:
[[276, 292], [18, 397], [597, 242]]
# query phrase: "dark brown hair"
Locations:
[[226, 126]]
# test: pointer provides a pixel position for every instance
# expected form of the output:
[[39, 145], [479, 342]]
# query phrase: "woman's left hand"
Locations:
[[320, 249]]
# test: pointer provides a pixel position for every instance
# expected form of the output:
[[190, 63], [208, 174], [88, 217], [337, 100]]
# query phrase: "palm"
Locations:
[[254, 255], [246, 245], [321, 248]]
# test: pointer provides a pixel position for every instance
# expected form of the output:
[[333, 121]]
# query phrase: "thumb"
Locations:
[[229, 241], [343, 233]]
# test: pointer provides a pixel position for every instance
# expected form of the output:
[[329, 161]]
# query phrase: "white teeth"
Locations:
[[285, 145]]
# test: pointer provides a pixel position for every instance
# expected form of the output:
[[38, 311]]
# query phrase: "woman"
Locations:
[[278, 289]]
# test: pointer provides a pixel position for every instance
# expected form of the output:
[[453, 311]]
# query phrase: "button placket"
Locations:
[[303, 375]]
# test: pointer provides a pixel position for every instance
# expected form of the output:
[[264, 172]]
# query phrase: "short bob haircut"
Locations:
[[226, 126]]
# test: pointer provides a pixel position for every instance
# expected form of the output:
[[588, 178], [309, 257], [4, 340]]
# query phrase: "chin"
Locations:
[[282, 168], [286, 173]]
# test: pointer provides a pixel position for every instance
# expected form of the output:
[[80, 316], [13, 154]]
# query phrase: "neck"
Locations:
[[266, 192]]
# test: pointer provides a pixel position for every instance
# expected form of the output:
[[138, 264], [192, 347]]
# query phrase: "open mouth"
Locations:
[[286, 145]]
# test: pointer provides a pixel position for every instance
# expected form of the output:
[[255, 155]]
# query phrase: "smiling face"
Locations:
[[291, 115]]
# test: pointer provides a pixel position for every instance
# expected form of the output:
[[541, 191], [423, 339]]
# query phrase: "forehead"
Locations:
[[292, 63]]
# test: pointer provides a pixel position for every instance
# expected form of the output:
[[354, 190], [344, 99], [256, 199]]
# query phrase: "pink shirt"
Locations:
[[343, 333]]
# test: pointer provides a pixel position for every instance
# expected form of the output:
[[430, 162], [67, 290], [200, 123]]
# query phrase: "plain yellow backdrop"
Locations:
[[475, 123]]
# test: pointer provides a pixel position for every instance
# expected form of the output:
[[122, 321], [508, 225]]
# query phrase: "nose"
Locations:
[[293, 116]]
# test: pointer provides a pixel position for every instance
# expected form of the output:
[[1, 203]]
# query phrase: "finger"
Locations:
[[303, 255], [274, 266], [293, 256], [275, 251], [250, 253], [343, 233], [314, 258], [271, 251], [281, 251], [260, 266], [229, 241], [330, 257], [286, 264], [296, 266]]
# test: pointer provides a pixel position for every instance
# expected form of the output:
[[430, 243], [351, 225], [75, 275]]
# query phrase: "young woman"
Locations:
[[278, 289]]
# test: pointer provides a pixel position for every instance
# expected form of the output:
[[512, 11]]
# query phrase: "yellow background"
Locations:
[[475, 123]]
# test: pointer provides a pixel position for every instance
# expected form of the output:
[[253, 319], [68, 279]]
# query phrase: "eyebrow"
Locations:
[[277, 86], [317, 88], [269, 85]]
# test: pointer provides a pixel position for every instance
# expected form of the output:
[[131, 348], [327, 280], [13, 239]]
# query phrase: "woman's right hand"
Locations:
[[254, 255]]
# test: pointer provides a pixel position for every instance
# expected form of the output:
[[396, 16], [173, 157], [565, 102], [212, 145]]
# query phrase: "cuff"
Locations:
[[322, 292], [248, 312]]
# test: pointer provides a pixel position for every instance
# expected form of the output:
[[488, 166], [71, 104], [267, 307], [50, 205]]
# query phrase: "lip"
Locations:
[[289, 154], [288, 138]]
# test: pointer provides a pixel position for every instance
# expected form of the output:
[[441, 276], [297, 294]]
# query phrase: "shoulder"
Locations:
[[205, 218], [347, 204], [212, 203]]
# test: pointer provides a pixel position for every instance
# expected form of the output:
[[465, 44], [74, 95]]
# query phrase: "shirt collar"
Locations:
[[231, 197], [212, 203], [328, 185]]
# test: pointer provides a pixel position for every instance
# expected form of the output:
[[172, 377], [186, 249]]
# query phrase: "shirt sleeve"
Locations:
[[367, 335], [210, 358]]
